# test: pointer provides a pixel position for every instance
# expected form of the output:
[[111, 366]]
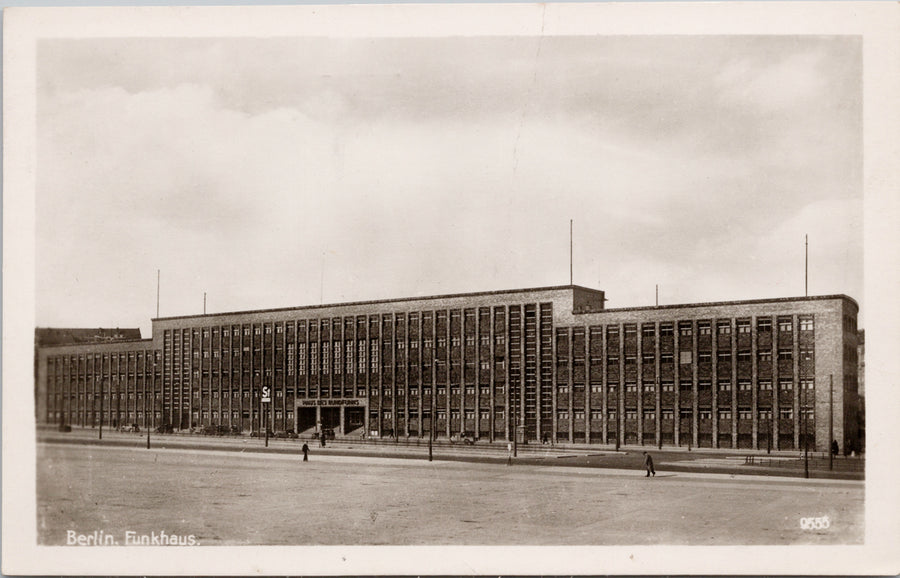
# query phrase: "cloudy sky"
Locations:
[[276, 172]]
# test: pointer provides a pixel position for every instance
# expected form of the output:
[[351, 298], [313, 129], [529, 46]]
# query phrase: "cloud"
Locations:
[[409, 167]]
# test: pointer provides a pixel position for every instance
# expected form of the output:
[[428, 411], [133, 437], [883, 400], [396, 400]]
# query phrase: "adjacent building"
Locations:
[[544, 364]]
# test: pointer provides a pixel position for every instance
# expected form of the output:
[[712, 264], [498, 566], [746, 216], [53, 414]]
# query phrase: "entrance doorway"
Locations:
[[354, 418], [306, 419]]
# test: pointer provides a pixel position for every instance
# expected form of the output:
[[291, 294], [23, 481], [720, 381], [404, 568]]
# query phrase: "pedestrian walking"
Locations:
[[648, 463], [305, 451], [834, 448], [509, 454], [322, 439]]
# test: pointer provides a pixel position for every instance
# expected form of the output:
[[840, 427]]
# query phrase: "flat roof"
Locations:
[[720, 303], [97, 343], [385, 301]]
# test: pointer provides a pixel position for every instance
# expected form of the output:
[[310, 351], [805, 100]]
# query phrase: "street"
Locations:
[[236, 498]]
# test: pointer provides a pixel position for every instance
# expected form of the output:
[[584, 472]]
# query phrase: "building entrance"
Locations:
[[354, 419], [306, 419]]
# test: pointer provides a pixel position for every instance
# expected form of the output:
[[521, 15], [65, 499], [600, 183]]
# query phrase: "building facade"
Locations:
[[533, 364]]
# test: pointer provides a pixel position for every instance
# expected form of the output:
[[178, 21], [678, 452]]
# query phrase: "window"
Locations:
[[630, 359], [785, 385], [630, 414], [648, 330], [454, 390], [724, 327], [704, 385], [647, 358], [744, 385], [723, 356], [666, 330], [743, 326], [268, 330], [612, 387], [704, 328], [685, 386], [765, 414], [485, 414], [807, 384], [485, 365], [499, 340], [685, 329], [785, 324], [724, 386], [744, 356], [806, 324], [745, 413], [765, 355], [612, 330], [562, 389], [763, 325], [562, 415], [668, 386], [668, 414], [632, 387], [785, 413], [470, 414], [785, 355], [498, 414], [704, 357], [649, 414], [470, 390], [806, 354], [630, 329], [724, 414], [649, 387], [485, 390], [578, 414], [685, 357], [612, 360]]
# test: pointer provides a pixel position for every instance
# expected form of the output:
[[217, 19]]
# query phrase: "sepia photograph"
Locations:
[[521, 288]]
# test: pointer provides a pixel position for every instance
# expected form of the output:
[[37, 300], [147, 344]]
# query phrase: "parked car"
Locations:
[[165, 428]]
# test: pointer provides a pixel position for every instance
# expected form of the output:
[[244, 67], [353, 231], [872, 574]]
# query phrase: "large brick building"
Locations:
[[546, 363]]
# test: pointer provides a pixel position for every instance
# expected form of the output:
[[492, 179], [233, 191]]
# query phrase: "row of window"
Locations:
[[722, 356], [702, 414]]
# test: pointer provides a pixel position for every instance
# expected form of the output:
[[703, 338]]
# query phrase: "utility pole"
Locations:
[[806, 266], [204, 302], [571, 247], [657, 295], [157, 293]]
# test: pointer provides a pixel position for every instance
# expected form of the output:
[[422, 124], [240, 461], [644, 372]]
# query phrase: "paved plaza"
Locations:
[[235, 498]]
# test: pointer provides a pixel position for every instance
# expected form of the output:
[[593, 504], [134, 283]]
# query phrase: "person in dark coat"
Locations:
[[305, 450], [322, 439], [648, 463], [834, 447]]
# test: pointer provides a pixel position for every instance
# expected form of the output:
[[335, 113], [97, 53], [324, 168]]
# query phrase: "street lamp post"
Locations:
[[101, 409], [805, 438], [617, 418]]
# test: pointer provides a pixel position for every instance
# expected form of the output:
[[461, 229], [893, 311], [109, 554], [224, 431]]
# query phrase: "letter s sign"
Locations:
[[266, 395]]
